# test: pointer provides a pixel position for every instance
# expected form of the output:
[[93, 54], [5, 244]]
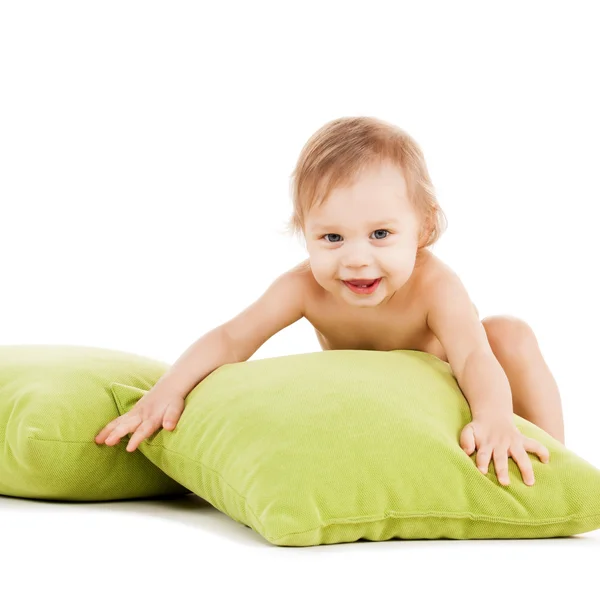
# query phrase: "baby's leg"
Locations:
[[535, 394]]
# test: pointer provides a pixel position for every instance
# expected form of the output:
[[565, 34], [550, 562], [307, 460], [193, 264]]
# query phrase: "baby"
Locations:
[[365, 206]]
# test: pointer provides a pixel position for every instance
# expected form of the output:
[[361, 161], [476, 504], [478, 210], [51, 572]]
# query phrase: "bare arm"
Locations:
[[204, 356], [233, 341], [454, 320], [239, 338], [281, 305], [485, 385]]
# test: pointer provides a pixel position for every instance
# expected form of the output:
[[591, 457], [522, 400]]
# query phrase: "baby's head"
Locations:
[[365, 205]]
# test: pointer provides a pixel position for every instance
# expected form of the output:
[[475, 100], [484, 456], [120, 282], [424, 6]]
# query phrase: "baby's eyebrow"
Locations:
[[383, 223]]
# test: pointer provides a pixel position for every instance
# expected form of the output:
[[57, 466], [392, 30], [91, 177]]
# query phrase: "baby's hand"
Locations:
[[158, 408], [499, 437]]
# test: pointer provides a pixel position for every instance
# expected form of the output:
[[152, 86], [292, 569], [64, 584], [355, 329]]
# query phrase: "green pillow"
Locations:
[[335, 446], [53, 402]]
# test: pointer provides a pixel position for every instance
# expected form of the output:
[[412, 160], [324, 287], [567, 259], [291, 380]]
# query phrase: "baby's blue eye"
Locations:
[[325, 236], [381, 238], [377, 238]]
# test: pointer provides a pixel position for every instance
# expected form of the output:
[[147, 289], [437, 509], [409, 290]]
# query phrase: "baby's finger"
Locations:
[[146, 429], [501, 465], [484, 456], [467, 439], [171, 418], [520, 456], [106, 431], [538, 448], [130, 423]]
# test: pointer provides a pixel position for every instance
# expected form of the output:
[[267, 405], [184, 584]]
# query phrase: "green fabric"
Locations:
[[335, 446], [53, 402]]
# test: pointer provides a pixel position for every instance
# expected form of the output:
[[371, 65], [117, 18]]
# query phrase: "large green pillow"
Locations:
[[335, 446], [53, 402]]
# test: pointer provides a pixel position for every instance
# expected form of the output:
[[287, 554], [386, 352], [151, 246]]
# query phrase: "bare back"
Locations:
[[399, 324]]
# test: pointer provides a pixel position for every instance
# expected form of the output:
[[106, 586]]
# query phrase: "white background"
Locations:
[[146, 150]]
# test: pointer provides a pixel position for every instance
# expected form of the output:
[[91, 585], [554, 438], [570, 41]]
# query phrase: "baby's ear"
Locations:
[[425, 231]]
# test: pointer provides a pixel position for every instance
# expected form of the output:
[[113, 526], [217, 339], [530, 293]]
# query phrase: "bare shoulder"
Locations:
[[439, 279], [436, 272], [295, 284], [305, 280], [301, 267], [280, 305], [429, 271]]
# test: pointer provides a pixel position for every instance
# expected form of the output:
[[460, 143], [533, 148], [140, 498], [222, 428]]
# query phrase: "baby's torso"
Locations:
[[395, 326]]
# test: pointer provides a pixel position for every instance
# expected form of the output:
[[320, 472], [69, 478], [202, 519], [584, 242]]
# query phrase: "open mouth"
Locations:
[[362, 286]]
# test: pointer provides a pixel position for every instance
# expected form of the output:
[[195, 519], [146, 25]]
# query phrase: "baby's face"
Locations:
[[366, 231]]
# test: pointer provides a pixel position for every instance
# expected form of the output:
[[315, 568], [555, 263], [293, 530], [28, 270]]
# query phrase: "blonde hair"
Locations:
[[337, 153]]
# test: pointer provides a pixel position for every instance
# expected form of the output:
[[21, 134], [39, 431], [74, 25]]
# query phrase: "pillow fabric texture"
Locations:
[[341, 445], [54, 400]]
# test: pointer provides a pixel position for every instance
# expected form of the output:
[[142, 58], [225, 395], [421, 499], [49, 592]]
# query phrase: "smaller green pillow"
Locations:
[[337, 446], [53, 402]]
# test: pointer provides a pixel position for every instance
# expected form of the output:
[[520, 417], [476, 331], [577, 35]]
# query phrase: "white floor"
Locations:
[[163, 549]]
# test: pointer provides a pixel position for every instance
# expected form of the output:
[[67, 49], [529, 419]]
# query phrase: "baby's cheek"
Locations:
[[400, 273], [322, 268], [325, 278]]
